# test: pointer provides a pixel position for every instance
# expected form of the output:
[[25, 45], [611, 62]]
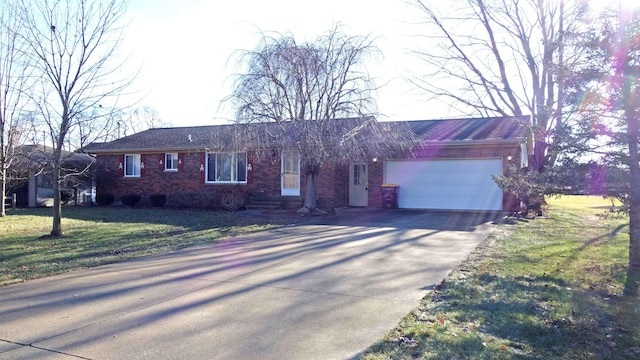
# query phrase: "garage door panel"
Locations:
[[459, 183], [465, 184], [461, 199]]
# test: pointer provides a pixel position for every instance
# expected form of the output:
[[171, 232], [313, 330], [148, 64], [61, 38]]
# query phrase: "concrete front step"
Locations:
[[274, 202], [264, 205]]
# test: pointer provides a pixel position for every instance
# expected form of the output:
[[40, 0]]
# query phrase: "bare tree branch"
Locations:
[[73, 46], [15, 78], [485, 47], [316, 98]]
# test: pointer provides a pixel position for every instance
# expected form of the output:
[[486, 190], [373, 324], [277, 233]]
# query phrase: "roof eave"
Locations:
[[145, 150], [157, 150]]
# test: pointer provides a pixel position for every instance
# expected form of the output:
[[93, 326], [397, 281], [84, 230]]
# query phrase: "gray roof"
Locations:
[[173, 138], [41, 155], [219, 137], [466, 130]]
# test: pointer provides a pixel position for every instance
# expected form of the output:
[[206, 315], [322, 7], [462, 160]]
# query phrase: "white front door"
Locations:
[[358, 184], [290, 177]]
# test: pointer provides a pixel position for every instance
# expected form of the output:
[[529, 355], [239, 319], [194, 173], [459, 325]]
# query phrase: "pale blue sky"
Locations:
[[182, 48]]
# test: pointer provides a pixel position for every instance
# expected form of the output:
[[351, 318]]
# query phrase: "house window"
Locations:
[[132, 165], [358, 170], [226, 168], [171, 162]]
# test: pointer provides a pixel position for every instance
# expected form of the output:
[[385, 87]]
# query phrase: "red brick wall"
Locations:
[[333, 186], [264, 178], [376, 178], [333, 182], [266, 175], [154, 179], [341, 186]]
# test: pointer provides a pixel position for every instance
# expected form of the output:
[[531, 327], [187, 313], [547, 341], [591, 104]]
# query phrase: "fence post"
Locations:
[[13, 201]]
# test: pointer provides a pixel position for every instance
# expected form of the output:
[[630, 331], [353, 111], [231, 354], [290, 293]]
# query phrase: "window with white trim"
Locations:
[[358, 171], [132, 165], [171, 162], [229, 168]]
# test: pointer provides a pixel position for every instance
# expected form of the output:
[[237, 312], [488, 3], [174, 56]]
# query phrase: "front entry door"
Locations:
[[358, 184], [290, 182]]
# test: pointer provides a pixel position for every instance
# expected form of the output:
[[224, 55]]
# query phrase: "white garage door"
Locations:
[[464, 184]]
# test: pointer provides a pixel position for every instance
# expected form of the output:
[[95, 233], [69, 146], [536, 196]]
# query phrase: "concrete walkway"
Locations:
[[326, 290]]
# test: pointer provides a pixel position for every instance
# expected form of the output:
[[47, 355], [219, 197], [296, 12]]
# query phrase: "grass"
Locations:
[[96, 236], [544, 288]]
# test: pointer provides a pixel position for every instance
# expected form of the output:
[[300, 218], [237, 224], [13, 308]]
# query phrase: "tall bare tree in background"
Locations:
[[73, 46], [308, 90], [14, 79], [502, 57], [101, 124], [143, 118]]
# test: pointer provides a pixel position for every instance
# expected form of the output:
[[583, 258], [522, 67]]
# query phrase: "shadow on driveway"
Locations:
[[411, 219], [323, 290]]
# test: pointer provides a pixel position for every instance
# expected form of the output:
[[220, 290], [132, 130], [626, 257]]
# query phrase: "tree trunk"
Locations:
[[56, 229], [631, 108], [311, 191], [3, 203], [537, 162], [633, 272]]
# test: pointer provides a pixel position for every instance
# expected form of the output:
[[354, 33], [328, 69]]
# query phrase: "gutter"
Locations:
[[145, 150], [474, 142]]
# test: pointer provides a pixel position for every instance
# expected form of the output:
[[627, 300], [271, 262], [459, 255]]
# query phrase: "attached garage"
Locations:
[[460, 184]]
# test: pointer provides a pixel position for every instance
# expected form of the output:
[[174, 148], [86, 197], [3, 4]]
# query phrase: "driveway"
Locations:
[[323, 290]]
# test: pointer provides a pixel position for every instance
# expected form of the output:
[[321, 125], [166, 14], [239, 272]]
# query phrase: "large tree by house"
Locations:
[[73, 47], [505, 58], [322, 98]]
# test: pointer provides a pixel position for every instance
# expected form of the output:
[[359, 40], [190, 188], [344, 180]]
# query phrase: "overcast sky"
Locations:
[[182, 48]]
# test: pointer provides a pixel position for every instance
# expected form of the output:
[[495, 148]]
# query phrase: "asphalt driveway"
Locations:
[[324, 290]]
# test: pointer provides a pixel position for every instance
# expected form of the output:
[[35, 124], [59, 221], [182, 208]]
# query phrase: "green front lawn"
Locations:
[[96, 236], [544, 288]]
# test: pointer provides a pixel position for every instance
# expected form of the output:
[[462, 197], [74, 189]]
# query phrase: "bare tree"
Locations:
[[503, 57], [303, 90], [143, 118], [95, 124], [102, 124], [73, 45], [14, 78]]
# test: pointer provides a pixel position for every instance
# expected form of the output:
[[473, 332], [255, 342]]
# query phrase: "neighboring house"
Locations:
[[32, 172], [451, 169]]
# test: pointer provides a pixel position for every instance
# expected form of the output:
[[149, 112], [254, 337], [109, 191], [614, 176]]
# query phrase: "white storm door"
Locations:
[[358, 184], [290, 182]]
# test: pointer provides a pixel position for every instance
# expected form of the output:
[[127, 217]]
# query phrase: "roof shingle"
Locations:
[[471, 129], [219, 137]]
